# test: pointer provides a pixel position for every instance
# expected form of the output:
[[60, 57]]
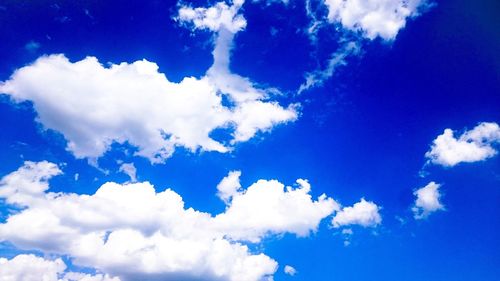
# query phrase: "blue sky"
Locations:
[[114, 112]]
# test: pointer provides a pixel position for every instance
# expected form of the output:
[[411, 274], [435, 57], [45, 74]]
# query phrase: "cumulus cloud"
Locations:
[[214, 18], [33, 268], [472, 146], [94, 106], [270, 207], [427, 201], [363, 213], [374, 18], [136, 233], [21, 186], [229, 186], [290, 270]]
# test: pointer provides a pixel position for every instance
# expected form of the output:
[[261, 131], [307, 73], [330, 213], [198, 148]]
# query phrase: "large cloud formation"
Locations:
[[94, 106], [471, 146], [136, 233]]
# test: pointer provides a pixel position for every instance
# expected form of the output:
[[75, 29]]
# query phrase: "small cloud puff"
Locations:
[[427, 201], [290, 270], [363, 213]]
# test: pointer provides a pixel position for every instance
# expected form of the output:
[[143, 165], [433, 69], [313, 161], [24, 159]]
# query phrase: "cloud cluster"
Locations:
[[33, 268], [427, 201], [374, 18], [135, 233], [94, 106], [472, 146]]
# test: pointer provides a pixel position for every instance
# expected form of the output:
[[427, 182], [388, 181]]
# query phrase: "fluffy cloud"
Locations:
[[33, 268], [28, 181], [472, 146], [270, 207], [94, 106], [374, 18], [229, 186], [290, 270], [363, 213], [214, 18], [136, 233], [427, 200]]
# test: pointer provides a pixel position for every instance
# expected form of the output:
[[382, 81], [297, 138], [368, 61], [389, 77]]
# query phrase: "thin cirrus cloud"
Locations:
[[134, 232], [135, 104], [471, 146], [427, 201]]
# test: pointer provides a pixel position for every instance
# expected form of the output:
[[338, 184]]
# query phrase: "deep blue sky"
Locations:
[[364, 133]]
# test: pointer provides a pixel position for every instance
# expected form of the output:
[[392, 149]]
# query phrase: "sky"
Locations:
[[249, 140]]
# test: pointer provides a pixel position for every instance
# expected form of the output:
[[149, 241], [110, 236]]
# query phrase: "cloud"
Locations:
[[33, 268], [136, 233], [374, 18], [365, 19], [214, 18], [134, 103], [130, 170], [472, 146], [229, 186], [268, 207], [290, 270], [21, 186], [363, 213], [427, 201], [338, 58]]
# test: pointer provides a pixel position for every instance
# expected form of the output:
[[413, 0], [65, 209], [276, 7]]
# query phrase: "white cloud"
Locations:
[[270, 207], [229, 186], [374, 18], [290, 270], [33, 268], [21, 186], [130, 170], [472, 146], [363, 213], [136, 233], [135, 104], [214, 18], [427, 201]]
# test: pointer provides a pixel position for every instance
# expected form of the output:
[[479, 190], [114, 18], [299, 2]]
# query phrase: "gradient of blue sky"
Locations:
[[364, 133]]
